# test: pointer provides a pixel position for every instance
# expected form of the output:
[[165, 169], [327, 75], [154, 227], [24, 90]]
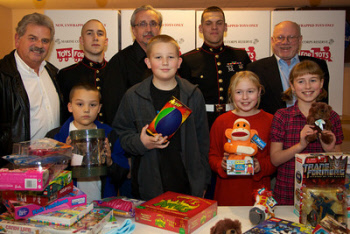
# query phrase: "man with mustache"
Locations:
[[127, 67], [91, 69], [274, 71], [30, 98]]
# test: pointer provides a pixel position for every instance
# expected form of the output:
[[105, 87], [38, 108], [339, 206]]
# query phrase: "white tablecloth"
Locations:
[[233, 212]]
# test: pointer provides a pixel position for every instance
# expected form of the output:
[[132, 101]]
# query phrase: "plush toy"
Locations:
[[227, 226], [239, 142], [319, 115]]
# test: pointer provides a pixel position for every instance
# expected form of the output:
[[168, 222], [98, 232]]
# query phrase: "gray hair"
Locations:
[[37, 19], [145, 8]]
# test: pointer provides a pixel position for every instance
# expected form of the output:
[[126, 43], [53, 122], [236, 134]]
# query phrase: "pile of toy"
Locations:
[[39, 194]]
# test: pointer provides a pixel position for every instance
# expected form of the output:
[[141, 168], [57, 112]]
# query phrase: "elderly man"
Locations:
[[274, 71], [212, 65], [30, 98], [127, 67], [91, 68]]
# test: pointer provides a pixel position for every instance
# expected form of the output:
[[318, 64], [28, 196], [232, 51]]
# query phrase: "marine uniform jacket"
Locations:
[[268, 72], [85, 71], [212, 68]]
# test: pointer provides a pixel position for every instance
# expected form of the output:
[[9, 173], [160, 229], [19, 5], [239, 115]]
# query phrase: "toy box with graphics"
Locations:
[[176, 212], [318, 176]]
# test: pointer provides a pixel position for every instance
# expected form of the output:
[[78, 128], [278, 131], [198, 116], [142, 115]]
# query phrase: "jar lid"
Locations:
[[87, 134]]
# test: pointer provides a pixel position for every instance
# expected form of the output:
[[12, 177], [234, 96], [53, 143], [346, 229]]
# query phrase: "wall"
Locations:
[[6, 38]]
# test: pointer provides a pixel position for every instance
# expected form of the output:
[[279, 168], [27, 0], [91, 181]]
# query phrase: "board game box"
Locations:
[[66, 217], [176, 212], [38, 199], [21, 210], [276, 225]]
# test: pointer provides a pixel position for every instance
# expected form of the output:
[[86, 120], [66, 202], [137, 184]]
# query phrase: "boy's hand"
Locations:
[[68, 140], [153, 142], [224, 161], [256, 165], [107, 152]]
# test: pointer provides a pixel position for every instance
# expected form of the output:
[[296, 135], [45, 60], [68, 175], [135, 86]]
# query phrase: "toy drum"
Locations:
[[88, 147]]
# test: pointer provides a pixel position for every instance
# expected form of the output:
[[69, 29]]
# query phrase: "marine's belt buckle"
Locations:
[[220, 107]]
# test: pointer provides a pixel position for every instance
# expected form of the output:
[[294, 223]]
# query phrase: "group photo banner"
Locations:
[[323, 37], [248, 30], [66, 49], [179, 24]]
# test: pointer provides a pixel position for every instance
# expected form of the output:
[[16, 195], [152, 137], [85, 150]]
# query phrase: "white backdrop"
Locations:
[[249, 30], [323, 37], [179, 24], [68, 23]]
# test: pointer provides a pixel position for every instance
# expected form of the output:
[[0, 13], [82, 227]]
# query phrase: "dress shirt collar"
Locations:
[[293, 61], [214, 50], [23, 67]]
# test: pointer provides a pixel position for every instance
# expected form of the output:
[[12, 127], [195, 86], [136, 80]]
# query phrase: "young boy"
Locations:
[[84, 104], [181, 164]]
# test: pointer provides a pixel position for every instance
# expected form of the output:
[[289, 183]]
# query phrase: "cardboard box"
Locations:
[[92, 223], [38, 199], [318, 169], [240, 167], [21, 210], [176, 212], [66, 217]]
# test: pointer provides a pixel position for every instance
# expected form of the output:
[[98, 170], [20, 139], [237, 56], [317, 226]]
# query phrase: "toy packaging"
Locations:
[[122, 206], [263, 208], [176, 212], [66, 217], [42, 147], [21, 210], [328, 225], [38, 199], [276, 225], [318, 202], [242, 144], [319, 186], [169, 119], [91, 223]]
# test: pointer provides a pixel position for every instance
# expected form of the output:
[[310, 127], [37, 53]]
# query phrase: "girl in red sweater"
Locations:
[[237, 190]]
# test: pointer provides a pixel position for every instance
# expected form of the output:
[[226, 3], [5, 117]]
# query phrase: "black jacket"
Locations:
[[14, 104]]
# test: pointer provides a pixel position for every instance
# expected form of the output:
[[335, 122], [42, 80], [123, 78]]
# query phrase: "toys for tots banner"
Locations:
[[179, 24], [323, 37], [249, 30], [66, 49]]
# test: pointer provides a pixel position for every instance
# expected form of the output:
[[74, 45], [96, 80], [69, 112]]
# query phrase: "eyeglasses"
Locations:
[[143, 24], [289, 38]]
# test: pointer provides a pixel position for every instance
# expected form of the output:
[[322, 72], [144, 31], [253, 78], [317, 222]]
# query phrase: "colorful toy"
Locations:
[[319, 115], [263, 208], [239, 142], [226, 226]]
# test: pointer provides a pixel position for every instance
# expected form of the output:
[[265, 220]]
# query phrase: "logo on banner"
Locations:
[[66, 53], [324, 54]]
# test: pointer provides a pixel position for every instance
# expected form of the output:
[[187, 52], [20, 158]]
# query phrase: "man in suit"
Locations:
[[274, 71]]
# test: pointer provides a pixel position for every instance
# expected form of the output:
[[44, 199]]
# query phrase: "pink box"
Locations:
[[21, 210]]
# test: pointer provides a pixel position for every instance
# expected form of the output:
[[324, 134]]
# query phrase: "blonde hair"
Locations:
[[238, 77], [161, 38], [300, 69]]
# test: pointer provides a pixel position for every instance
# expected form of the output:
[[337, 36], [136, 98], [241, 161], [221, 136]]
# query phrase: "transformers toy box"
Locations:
[[318, 170], [176, 212]]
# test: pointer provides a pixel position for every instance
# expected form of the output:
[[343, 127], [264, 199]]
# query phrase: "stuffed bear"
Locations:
[[318, 117], [227, 226]]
